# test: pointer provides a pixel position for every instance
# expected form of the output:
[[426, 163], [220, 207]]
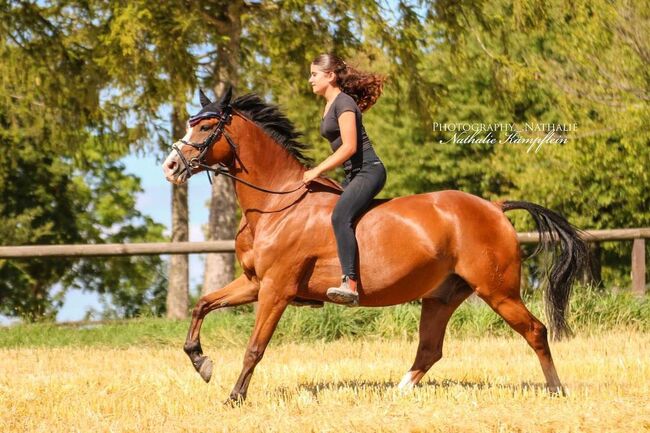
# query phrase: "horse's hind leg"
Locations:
[[515, 313], [435, 315], [238, 292], [500, 289]]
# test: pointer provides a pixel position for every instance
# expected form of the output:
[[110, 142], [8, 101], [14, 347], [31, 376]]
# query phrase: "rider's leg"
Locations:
[[356, 198]]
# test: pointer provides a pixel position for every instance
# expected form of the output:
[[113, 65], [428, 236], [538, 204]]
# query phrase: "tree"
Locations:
[[580, 62], [59, 174]]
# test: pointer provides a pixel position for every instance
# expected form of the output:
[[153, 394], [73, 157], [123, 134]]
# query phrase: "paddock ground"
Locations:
[[481, 385]]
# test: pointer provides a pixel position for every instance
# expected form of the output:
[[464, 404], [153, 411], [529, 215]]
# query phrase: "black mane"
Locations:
[[274, 123]]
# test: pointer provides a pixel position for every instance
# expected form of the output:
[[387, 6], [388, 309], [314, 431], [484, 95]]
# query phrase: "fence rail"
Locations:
[[637, 235]]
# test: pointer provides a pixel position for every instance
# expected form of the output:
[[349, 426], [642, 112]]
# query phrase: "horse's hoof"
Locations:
[[557, 391], [235, 400], [406, 385], [206, 369]]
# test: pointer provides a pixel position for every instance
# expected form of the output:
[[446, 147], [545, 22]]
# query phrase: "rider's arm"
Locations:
[[348, 127]]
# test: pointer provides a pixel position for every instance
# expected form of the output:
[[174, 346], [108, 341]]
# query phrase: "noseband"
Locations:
[[225, 117]]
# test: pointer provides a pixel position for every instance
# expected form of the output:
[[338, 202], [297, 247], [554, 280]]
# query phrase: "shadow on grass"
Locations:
[[316, 388]]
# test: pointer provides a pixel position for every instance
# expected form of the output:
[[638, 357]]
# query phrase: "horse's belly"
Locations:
[[402, 255]]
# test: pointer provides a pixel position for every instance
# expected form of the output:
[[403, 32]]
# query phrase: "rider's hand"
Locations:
[[310, 175]]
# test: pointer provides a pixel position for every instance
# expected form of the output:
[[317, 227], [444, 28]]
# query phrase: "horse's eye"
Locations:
[[206, 128]]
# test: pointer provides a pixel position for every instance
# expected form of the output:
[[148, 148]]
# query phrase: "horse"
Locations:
[[436, 247]]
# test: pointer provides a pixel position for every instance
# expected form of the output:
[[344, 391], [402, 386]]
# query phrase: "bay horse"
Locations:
[[437, 247]]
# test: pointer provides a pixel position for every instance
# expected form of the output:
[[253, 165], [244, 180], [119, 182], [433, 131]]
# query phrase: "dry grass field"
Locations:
[[481, 385]]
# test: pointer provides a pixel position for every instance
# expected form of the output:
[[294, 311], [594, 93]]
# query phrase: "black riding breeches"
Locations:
[[357, 195]]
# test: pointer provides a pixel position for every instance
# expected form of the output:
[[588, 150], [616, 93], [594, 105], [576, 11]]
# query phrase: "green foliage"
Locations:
[[136, 284], [42, 203], [58, 172], [52, 206]]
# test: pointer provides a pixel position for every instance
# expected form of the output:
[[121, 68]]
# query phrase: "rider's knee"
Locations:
[[340, 219]]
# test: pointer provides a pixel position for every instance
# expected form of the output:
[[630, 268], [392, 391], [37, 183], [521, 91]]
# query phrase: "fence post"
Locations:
[[638, 267]]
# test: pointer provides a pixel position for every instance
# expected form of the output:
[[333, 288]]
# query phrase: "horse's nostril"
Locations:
[[171, 165]]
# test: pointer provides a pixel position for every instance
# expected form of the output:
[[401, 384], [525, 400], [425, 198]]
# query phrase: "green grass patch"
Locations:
[[592, 311]]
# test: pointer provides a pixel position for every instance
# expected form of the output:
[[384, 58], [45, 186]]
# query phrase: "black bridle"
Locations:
[[225, 117]]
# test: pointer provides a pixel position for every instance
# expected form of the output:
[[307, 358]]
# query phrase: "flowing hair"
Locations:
[[364, 87]]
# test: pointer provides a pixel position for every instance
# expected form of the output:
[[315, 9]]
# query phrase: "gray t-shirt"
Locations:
[[329, 129]]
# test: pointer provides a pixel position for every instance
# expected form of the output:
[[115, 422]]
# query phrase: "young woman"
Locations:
[[348, 92]]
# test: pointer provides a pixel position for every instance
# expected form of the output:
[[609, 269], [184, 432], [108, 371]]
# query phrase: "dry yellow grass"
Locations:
[[486, 385]]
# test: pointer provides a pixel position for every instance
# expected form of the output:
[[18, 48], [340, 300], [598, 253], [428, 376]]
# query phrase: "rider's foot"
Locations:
[[346, 293]]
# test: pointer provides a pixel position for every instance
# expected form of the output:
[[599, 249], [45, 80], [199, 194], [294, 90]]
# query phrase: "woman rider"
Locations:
[[348, 92]]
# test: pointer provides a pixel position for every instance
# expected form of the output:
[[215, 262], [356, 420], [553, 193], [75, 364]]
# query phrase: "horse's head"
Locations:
[[205, 142]]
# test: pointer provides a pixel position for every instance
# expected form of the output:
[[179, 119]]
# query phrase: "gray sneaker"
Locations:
[[343, 294]]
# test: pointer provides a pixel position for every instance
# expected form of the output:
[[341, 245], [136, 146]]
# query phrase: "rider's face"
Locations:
[[319, 79]]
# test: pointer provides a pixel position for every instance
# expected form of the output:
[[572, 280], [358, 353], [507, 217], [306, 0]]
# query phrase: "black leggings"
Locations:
[[356, 197]]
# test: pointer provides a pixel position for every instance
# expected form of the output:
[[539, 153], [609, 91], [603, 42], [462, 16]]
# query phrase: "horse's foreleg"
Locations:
[[240, 291], [270, 307]]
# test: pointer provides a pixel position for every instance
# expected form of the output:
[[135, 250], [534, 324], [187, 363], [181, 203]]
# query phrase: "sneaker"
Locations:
[[343, 294]]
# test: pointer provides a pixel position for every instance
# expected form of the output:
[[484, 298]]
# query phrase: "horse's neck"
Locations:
[[266, 164]]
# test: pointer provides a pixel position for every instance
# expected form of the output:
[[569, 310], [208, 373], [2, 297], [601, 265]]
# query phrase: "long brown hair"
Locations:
[[364, 87]]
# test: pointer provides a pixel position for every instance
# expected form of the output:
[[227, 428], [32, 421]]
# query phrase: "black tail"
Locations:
[[569, 259]]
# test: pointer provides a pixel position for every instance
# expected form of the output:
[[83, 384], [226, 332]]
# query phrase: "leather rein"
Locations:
[[225, 117]]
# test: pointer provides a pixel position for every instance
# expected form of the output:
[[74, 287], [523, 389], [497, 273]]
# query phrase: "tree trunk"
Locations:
[[223, 222], [178, 282]]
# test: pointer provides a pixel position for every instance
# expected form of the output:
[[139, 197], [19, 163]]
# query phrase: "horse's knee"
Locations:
[[540, 331]]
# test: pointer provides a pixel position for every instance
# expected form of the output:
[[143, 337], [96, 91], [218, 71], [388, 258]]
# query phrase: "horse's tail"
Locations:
[[569, 259]]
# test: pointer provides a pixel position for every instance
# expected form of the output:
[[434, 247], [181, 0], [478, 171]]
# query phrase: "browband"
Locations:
[[208, 114]]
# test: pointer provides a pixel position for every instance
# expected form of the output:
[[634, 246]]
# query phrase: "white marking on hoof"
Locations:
[[406, 385]]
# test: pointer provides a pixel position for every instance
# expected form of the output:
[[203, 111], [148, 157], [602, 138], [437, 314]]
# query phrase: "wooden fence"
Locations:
[[637, 236]]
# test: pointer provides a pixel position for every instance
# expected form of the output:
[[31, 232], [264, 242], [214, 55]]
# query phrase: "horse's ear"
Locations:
[[204, 99], [226, 96]]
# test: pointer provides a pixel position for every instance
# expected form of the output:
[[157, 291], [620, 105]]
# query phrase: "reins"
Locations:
[[225, 172]]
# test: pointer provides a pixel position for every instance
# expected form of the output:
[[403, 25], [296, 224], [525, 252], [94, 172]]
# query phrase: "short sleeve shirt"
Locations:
[[329, 129]]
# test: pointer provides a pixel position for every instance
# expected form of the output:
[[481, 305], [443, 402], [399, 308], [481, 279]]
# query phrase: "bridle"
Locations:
[[225, 117]]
